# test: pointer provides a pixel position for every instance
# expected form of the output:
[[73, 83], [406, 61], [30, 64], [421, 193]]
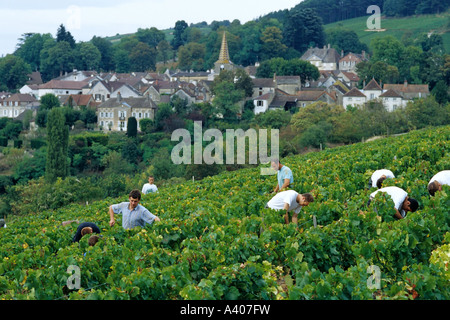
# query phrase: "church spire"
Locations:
[[224, 56]]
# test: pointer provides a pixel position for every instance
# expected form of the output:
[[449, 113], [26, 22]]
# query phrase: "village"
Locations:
[[116, 97]]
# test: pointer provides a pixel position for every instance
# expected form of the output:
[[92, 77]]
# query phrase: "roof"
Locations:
[[78, 99], [263, 83], [60, 84], [351, 57], [21, 98], [326, 54], [132, 102], [391, 93], [355, 93], [373, 85], [287, 80], [407, 88], [310, 95], [35, 78]]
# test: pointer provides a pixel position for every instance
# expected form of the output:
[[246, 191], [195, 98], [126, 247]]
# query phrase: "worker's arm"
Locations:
[[111, 217], [286, 216], [397, 214], [286, 184]]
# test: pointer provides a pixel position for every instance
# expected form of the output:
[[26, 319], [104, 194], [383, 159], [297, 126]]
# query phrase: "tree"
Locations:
[[179, 36], [302, 29], [151, 36], [29, 49], [440, 92], [106, 51], [57, 59], [63, 35], [192, 56], [89, 56], [14, 72], [57, 141], [143, 58], [283, 67], [226, 100], [345, 40], [122, 61], [49, 101], [132, 127], [272, 43], [164, 49]]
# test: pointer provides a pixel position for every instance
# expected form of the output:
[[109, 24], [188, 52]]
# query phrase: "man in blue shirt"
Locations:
[[284, 176], [133, 214]]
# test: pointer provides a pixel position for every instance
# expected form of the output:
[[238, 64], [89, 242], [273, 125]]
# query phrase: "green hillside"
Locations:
[[400, 27], [216, 240]]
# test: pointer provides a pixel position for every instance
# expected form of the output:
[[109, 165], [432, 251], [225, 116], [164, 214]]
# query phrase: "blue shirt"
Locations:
[[137, 217], [284, 173]]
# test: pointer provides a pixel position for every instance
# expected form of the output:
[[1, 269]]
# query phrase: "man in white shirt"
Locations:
[[438, 180], [402, 202], [379, 176], [290, 200], [149, 187]]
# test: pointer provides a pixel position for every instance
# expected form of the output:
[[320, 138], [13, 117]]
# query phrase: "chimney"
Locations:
[[119, 97], [364, 54], [405, 84]]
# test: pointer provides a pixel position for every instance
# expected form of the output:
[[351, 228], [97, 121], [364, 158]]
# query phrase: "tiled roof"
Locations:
[[354, 93], [372, 85]]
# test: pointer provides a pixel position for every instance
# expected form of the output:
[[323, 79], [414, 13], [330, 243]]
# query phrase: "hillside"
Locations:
[[411, 26], [217, 241]]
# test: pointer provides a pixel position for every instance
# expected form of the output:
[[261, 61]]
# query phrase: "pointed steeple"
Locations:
[[224, 56]]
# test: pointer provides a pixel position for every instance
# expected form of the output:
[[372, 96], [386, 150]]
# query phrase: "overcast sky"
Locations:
[[86, 18]]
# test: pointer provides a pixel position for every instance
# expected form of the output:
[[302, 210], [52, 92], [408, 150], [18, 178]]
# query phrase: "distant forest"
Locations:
[[336, 10]]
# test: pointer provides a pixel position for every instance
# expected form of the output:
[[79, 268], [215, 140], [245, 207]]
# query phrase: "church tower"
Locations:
[[224, 62]]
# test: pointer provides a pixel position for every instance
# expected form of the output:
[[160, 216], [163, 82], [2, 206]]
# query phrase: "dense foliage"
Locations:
[[217, 241]]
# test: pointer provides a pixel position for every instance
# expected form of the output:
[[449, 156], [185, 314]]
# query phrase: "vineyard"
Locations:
[[216, 239]]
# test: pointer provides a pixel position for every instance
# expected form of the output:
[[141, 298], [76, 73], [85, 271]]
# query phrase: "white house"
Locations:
[[372, 90], [393, 100], [114, 114], [354, 98]]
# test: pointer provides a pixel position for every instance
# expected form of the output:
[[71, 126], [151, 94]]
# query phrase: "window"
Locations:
[[372, 96]]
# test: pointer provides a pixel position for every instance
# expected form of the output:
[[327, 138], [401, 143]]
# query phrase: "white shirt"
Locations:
[[398, 196], [280, 199], [442, 177], [149, 188], [377, 175]]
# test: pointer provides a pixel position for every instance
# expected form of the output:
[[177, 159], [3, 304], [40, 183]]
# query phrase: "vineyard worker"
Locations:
[[379, 176], [402, 202], [84, 229], [290, 200], [438, 180], [149, 187], [284, 175], [133, 214]]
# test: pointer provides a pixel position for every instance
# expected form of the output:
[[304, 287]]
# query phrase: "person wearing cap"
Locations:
[[402, 202], [438, 180], [284, 176], [290, 200], [377, 178]]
